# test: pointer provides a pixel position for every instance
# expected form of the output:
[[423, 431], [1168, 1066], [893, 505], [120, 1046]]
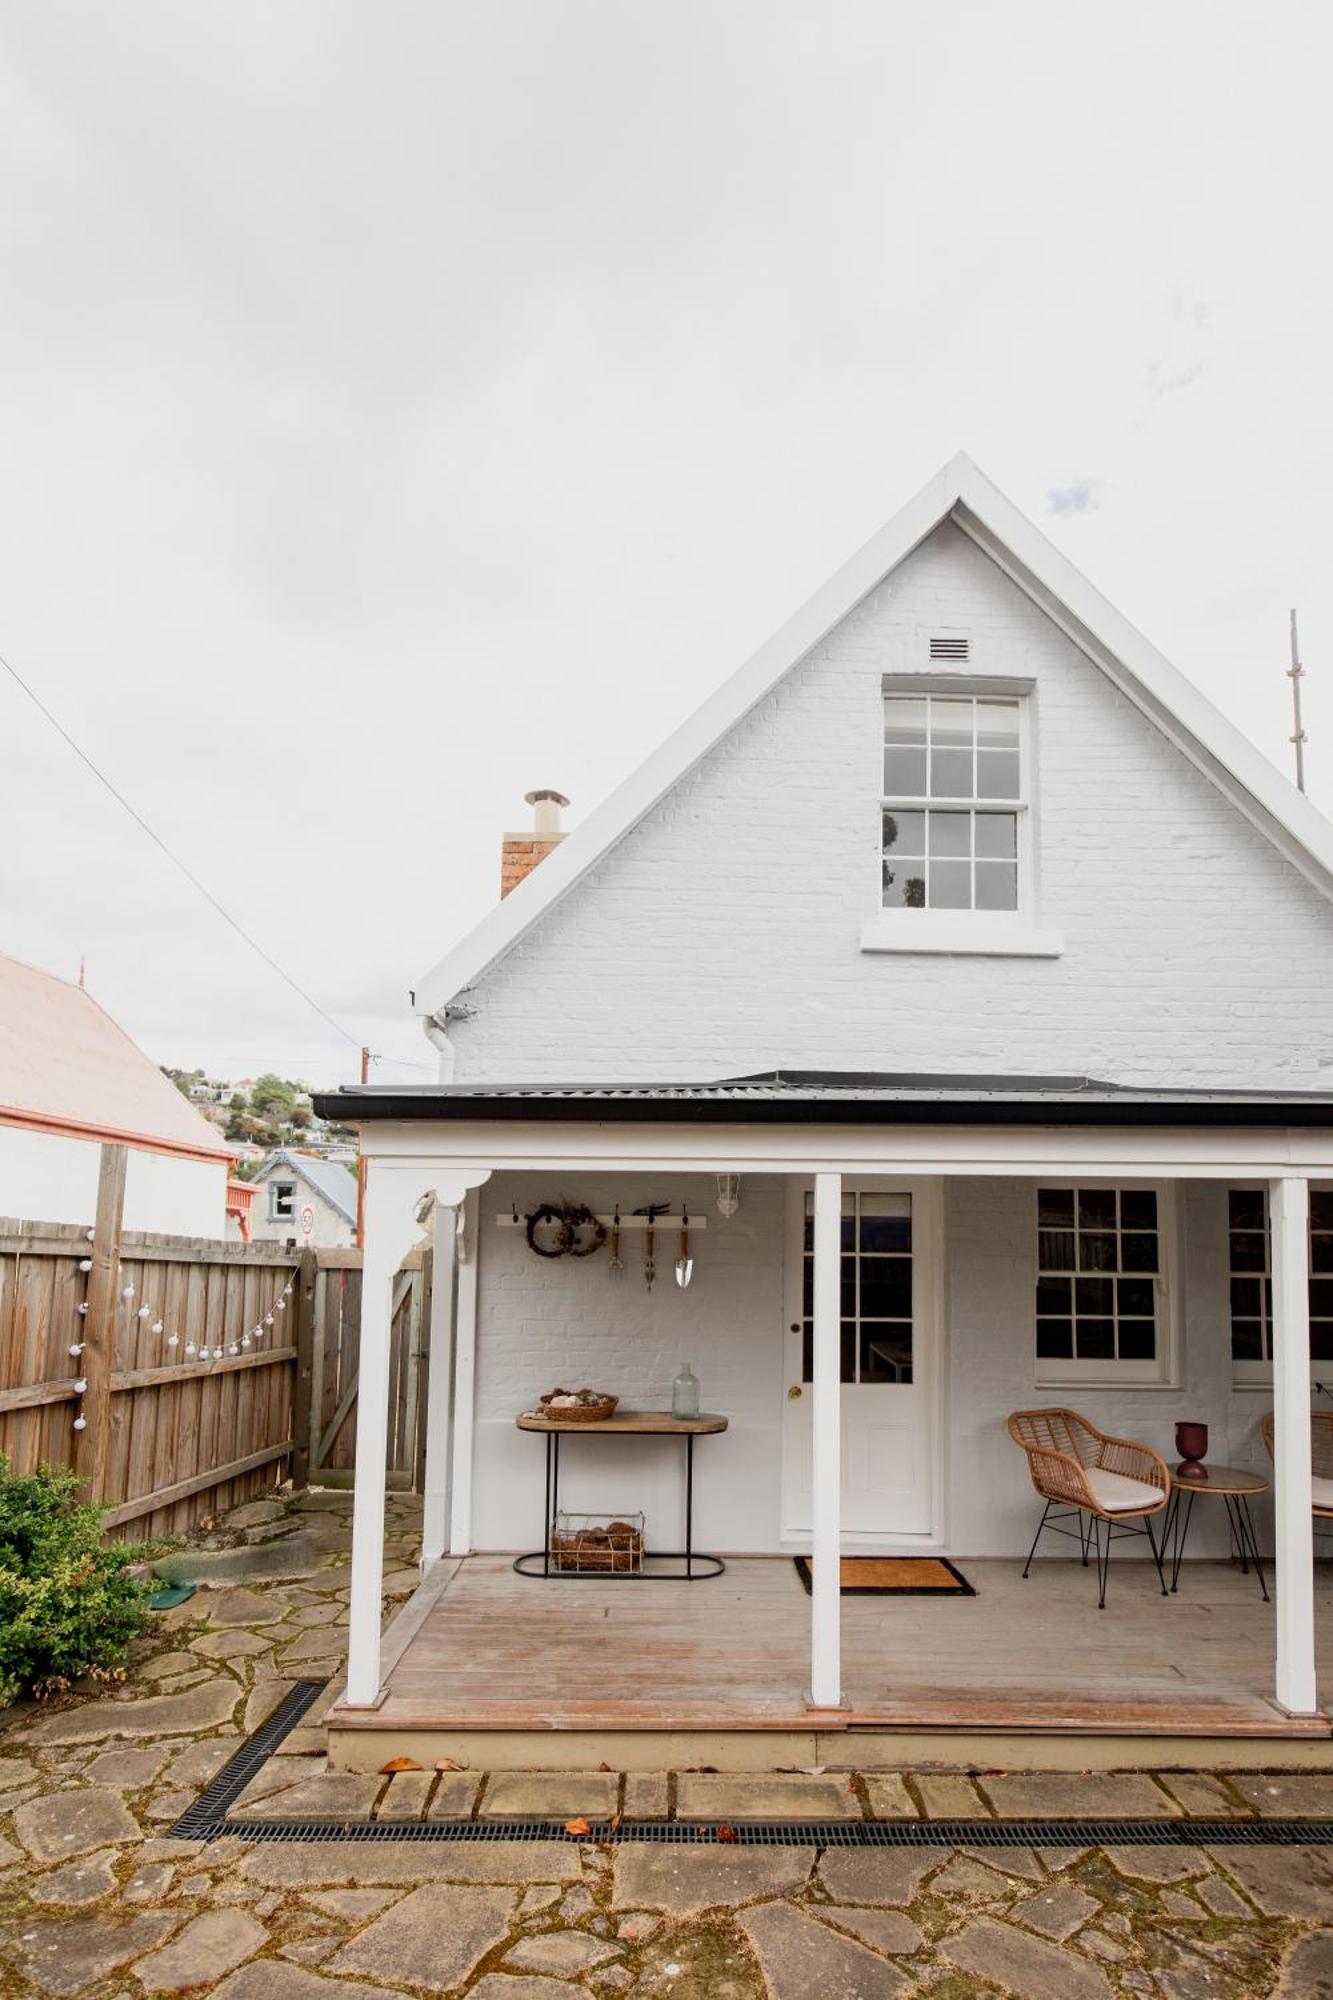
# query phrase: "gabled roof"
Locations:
[[327, 1177], [66, 1067], [962, 493]]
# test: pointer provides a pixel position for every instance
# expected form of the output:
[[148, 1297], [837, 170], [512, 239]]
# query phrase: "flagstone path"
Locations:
[[96, 1903]]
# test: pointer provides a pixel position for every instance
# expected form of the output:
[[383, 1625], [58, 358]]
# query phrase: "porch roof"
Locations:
[[829, 1097]]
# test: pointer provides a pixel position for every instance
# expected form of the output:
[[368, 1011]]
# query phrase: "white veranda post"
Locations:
[[395, 1191], [1289, 1221], [439, 1386], [826, 1469]]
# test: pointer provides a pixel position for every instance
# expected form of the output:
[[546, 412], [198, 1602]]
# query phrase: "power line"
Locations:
[[175, 859]]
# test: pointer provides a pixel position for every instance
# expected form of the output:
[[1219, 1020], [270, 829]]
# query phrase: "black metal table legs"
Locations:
[[1240, 1529], [695, 1567]]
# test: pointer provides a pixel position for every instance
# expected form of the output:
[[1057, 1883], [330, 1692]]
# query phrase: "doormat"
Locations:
[[894, 1576]]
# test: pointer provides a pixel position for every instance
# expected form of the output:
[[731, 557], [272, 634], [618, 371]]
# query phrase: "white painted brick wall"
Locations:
[[991, 1233], [568, 1322], [722, 935]]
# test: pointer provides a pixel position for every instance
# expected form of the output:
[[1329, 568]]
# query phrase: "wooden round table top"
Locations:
[[1223, 1479]]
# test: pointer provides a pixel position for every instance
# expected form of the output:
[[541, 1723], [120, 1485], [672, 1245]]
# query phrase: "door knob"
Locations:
[[793, 1392]]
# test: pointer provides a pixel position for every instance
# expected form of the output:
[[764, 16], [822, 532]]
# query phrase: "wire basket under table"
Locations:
[[597, 1544]]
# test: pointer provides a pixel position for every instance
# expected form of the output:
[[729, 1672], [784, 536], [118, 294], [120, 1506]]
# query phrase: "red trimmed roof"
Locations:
[[65, 1066]]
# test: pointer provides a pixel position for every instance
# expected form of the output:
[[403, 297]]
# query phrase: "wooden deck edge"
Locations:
[[1215, 1728], [365, 1750]]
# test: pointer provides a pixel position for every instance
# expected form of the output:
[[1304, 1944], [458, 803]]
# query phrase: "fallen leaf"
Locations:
[[726, 1833], [399, 1764], [449, 1764], [614, 1823], [577, 1826], [606, 1767]]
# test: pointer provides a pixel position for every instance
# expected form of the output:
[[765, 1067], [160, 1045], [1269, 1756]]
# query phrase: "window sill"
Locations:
[[977, 933], [1125, 1378]]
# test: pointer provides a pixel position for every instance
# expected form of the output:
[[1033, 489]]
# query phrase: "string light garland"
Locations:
[[157, 1325]]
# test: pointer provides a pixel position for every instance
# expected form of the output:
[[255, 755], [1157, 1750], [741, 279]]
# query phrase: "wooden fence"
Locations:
[[163, 1432]]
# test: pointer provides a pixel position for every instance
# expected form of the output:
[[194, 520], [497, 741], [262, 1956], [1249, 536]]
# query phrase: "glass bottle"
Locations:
[[685, 1393]]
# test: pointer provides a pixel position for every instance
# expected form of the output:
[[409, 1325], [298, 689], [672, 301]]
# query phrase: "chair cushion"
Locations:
[[1321, 1491], [1119, 1494]]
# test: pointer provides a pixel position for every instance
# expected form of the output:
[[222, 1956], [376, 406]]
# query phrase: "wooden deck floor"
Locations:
[[479, 1648]]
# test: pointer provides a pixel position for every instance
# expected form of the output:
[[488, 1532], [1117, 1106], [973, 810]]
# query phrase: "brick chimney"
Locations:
[[520, 852]]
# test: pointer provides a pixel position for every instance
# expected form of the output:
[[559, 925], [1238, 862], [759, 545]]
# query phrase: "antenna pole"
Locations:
[[1295, 674]]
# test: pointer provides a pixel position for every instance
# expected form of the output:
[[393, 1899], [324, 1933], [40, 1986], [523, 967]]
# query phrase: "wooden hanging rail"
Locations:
[[663, 1223]]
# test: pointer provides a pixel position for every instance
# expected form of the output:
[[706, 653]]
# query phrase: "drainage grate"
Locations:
[[798, 1833], [207, 1819]]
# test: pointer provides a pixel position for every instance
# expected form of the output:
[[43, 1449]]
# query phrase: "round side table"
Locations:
[[1233, 1485]]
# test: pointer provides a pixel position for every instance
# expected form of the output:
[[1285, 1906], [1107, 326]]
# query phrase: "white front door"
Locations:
[[890, 1257]]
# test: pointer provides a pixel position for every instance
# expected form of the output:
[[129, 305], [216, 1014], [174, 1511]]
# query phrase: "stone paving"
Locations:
[[96, 1902]]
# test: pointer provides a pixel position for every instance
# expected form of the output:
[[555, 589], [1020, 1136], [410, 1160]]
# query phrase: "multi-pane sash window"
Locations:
[[953, 800], [876, 1276], [1098, 1263], [1251, 1276]]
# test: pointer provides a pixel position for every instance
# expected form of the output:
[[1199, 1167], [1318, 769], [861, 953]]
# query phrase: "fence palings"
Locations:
[[170, 1437]]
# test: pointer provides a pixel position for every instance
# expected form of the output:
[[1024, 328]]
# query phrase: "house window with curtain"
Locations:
[[1250, 1269], [954, 804], [1101, 1282]]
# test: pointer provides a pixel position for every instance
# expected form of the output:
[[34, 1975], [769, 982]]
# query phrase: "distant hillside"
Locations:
[[264, 1111]]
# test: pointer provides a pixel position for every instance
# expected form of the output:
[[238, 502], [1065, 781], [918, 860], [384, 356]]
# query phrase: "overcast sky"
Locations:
[[402, 406]]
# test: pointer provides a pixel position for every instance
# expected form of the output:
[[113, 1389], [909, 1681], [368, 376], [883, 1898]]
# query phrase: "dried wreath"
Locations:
[[572, 1221]]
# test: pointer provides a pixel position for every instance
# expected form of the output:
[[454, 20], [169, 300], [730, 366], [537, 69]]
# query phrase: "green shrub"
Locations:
[[68, 1603]]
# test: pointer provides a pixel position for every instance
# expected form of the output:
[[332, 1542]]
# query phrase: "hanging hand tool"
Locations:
[[617, 1266], [684, 1263], [651, 1210]]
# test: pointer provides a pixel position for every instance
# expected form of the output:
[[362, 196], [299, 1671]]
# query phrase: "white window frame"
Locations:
[[1259, 1374], [996, 933], [1163, 1371], [275, 1188]]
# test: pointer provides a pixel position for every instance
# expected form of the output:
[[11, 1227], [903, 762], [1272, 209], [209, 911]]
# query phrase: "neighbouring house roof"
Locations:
[[326, 1177], [959, 492], [66, 1067], [836, 1098]]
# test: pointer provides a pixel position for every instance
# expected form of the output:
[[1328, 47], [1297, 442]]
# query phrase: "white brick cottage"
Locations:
[[1018, 957]]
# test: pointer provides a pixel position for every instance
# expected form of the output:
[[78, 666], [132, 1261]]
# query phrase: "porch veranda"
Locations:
[[1248, 1671], [489, 1667]]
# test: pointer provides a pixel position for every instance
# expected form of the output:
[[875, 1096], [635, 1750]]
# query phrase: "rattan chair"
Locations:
[[1321, 1461], [1104, 1483]]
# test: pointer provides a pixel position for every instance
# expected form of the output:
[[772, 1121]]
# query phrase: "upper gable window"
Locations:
[[954, 802]]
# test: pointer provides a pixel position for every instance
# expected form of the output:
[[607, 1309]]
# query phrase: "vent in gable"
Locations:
[[948, 649]]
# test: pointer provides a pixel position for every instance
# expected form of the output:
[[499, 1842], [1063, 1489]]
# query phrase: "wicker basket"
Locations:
[[597, 1544], [581, 1413]]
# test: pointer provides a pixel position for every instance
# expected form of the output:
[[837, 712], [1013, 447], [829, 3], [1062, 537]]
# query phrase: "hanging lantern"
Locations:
[[127, 1291], [81, 1387], [77, 1347], [157, 1326], [173, 1340], [80, 1423], [85, 1263], [83, 1309]]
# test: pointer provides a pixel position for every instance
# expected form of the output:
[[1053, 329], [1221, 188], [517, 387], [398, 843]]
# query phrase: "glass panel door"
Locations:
[[876, 1286]]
